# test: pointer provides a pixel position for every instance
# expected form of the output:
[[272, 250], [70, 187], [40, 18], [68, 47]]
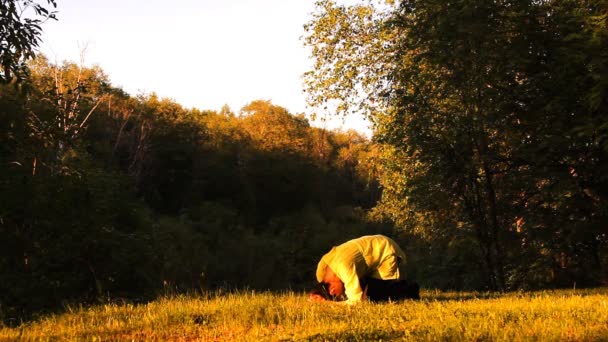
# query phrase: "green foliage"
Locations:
[[20, 31], [67, 237], [105, 195], [490, 157], [490, 117]]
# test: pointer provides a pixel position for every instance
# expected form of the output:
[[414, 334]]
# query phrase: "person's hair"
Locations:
[[321, 289]]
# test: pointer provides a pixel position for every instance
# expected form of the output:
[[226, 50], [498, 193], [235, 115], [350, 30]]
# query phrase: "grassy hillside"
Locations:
[[574, 315]]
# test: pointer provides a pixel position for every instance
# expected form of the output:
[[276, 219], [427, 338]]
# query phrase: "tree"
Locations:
[[20, 31], [273, 128], [353, 54], [483, 123]]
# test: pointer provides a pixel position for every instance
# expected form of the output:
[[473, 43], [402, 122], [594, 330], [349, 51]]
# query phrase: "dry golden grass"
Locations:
[[580, 315]]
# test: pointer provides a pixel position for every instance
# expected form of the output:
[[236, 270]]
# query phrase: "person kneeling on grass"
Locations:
[[367, 268]]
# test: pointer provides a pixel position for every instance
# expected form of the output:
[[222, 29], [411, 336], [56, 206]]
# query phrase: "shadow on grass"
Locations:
[[436, 295], [455, 296], [374, 335], [14, 316]]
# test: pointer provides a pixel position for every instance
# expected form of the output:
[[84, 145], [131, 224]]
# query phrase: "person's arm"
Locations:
[[352, 285]]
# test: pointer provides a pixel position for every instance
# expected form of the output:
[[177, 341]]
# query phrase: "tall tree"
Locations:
[[474, 99]]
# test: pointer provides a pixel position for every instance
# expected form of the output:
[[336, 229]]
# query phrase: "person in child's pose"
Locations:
[[367, 268]]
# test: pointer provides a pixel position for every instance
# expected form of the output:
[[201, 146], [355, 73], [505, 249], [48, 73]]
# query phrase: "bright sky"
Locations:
[[201, 53]]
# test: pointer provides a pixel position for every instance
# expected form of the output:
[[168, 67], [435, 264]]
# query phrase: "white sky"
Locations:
[[202, 54]]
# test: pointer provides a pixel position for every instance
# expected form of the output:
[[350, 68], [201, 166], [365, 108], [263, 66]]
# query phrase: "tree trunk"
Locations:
[[476, 211], [494, 226]]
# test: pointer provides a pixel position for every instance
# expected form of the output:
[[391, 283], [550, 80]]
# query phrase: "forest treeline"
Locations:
[[110, 195], [488, 163]]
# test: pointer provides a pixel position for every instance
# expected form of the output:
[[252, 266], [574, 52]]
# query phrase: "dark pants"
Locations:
[[384, 290]]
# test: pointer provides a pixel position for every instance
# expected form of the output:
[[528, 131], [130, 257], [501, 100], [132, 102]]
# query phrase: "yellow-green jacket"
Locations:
[[375, 256]]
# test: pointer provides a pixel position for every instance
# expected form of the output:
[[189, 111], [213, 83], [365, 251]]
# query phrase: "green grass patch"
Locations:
[[576, 315]]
